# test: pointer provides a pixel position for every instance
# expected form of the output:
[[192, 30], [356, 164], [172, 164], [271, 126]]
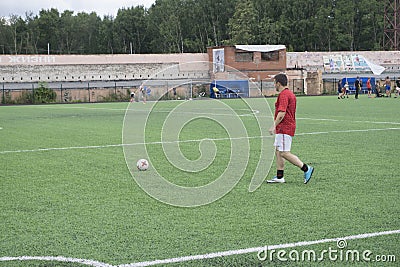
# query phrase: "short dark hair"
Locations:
[[281, 78]]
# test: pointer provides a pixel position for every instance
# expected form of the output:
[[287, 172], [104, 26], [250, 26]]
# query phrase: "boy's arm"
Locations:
[[279, 118]]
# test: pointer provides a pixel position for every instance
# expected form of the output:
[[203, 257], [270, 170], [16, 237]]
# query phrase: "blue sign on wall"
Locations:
[[229, 89]]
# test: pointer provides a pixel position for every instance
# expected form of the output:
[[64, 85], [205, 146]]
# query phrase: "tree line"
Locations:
[[190, 26]]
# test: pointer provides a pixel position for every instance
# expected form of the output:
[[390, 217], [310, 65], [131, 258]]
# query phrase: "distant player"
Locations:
[[346, 89], [397, 87], [369, 87], [378, 89], [357, 86], [143, 91], [217, 93], [132, 96], [387, 87], [340, 89], [284, 128]]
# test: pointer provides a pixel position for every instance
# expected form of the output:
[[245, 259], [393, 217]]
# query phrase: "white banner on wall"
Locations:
[[343, 63], [218, 60]]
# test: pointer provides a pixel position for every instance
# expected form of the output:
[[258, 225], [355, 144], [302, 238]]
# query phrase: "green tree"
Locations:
[[217, 14], [18, 29], [106, 43], [176, 26], [32, 34], [6, 37], [87, 32], [194, 29], [130, 25], [49, 28], [243, 24], [165, 23], [68, 32], [370, 28]]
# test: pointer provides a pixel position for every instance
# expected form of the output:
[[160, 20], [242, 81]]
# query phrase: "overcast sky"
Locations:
[[101, 7]]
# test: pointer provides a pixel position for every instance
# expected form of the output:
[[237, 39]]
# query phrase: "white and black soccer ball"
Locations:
[[142, 164]]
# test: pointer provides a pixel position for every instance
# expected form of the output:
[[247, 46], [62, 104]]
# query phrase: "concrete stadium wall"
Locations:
[[36, 68], [313, 60], [159, 90], [70, 96], [28, 70], [58, 68]]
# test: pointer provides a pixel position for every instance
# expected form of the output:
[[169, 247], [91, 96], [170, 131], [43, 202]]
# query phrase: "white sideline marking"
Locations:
[[58, 258], [253, 112], [256, 249], [187, 141], [349, 131], [373, 122], [201, 256], [57, 148], [162, 110]]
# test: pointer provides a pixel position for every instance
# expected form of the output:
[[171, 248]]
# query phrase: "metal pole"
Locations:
[[88, 88], [191, 89], [33, 93]]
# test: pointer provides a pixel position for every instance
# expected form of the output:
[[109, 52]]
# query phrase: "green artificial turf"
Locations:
[[66, 190]]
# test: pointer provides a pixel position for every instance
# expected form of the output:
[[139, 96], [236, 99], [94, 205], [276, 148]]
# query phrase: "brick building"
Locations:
[[257, 62]]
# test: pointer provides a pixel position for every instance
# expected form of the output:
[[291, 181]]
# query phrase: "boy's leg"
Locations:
[[280, 161], [280, 166], [283, 145], [308, 170], [291, 158]]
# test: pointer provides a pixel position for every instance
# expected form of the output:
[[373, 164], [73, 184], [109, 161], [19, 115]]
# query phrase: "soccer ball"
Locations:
[[142, 164]]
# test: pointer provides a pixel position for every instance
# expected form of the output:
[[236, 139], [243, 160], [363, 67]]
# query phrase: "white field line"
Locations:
[[57, 148], [251, 113], [256, 249], [379, 122], [200, 256], [186, 141], [66, 107], [58, 259], [158, 110], [349, 131], [335, 120]]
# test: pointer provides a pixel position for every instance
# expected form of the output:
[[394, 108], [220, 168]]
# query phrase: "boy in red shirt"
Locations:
[[284, 128]]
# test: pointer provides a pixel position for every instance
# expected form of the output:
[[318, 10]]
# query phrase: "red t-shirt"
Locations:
[[286, 102]]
